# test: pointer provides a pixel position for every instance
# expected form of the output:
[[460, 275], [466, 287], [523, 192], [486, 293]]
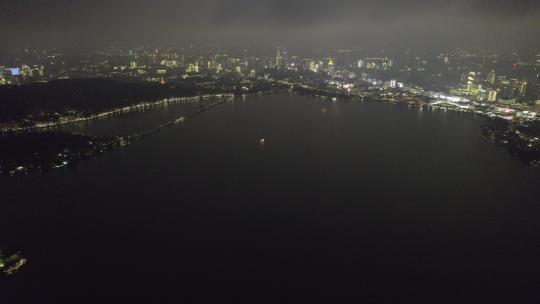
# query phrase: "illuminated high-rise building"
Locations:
[[446, 60], [330, 63], [491, 77], [522, 88], [192, 68], [313, 66], [471, 80], [376, 63], [284, 59], [279, 58], [492, 95], [238, 70]]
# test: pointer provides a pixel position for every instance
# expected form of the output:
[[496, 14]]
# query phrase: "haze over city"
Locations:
[[367, 23]]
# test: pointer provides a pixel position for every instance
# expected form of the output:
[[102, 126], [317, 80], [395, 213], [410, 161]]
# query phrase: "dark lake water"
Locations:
[[359, 201]]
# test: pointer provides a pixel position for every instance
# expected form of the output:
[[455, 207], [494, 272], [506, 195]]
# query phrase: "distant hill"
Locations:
[[82, 95]]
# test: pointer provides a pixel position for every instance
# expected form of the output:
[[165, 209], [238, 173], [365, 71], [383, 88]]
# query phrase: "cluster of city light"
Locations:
[[107, 114]]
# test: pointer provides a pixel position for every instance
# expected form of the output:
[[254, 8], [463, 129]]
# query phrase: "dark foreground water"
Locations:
[[361, 201]]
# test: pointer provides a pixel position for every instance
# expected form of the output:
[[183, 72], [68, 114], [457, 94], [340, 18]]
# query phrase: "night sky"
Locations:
[[248, 22]]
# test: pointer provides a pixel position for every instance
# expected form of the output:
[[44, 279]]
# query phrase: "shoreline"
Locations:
[[85, 146], [520, 148], [111, 113]]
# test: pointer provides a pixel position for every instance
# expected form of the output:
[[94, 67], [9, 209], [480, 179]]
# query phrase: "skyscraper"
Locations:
[[471, 80], [313, 66], [491, 76], [522, 88], [492, 96], [279, 59]]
